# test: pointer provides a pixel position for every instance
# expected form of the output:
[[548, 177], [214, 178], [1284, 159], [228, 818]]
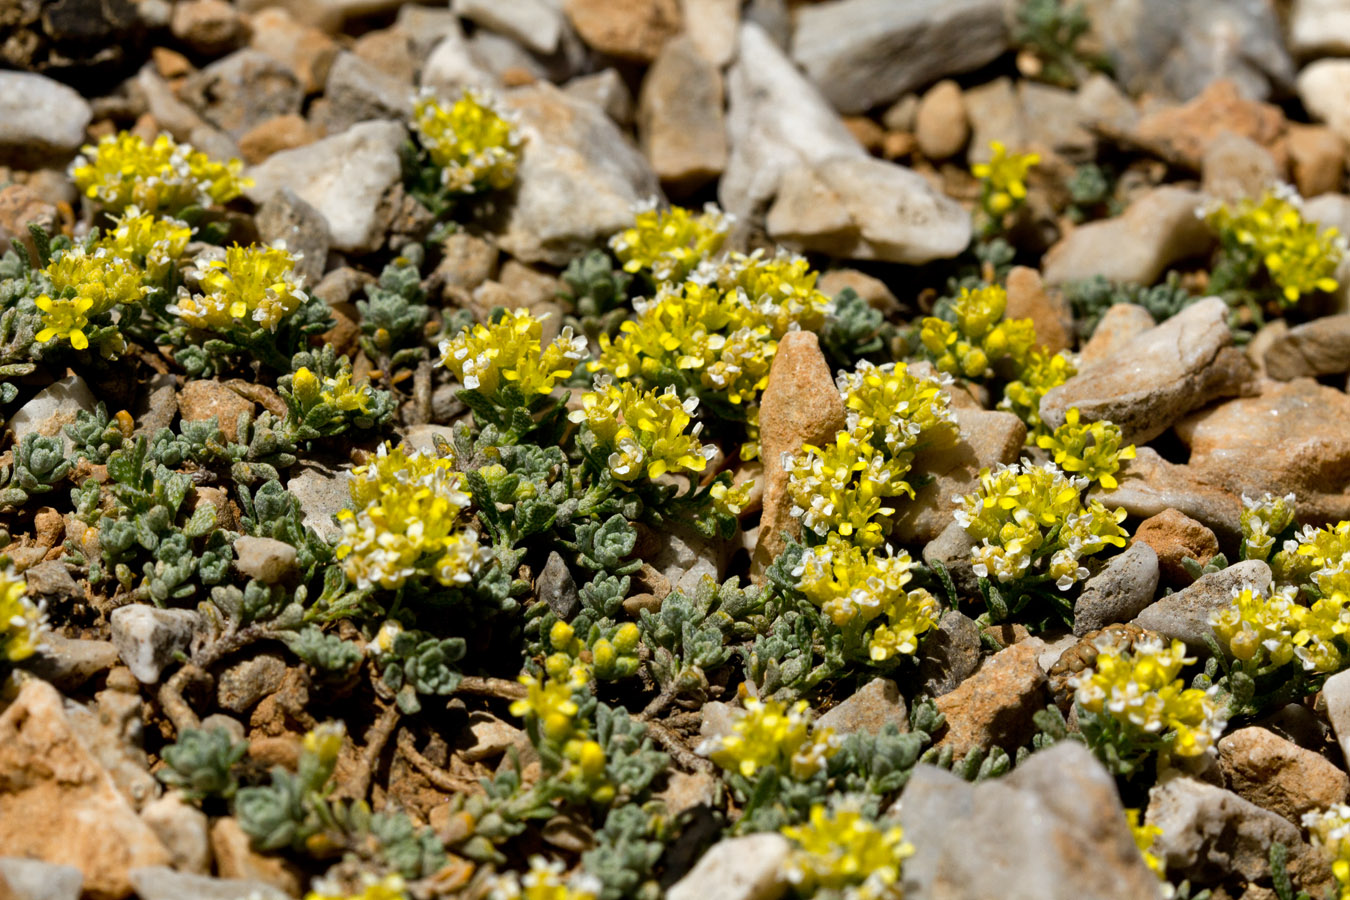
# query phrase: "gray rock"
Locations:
[[499, 55], [148, 638], [578, 178], [1066, 811], [113, 730], [680, 122], [1160, 47], [453, 66], [157, 405], [163, 883], [51, 581], [1336, 692], [356, 91], [1319, 28], [267, 559], [607, 90], [995, 114], [865, 208], [1185, 615], [1119, 592], [425, 27], [53, 408], [866, 53], [1319, 347], [1155, 379], [745, 868], [41, 121], [181, 828], [1209, 833], [874, 706], [949, 654], [1120, 324], [557, 588], [685, 559], [242, 90], [70, 662], [1158, 229], [1058, 119], [285, 217], [33, 879], [776, 121], [344, 177], [488, 736], [717, 720], [1150, 485], [423, 437], [172, 114], [240, 687], [228, 724], [322, 493], [537, 24], [952, 549], [1235, 167], [1322, 88]]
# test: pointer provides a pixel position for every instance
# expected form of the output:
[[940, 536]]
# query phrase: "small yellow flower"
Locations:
[[1036, 377], [159, 177], [845, 852], [670, 243], [1003, 178], [22, 621], [151, 243], [979, 337], [544, 881], [254, 286], [1144, 836], [508, 351], [1262, 520], [772, 734], [1330, 832], [1089, 449], [324, 742], [66, 318], [647, 434], [476, 146], [390, 887]]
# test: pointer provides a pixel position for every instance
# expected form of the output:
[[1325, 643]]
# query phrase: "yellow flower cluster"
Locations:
[[1142, 691], [1263, 519], [1315, 554], [730, 500], [780, 290], [979, 337], [147, 241], [85, 284], [1041, 372], [1090, 449], [476, 145], [544, 881], [21, 620], [646, 433], [252, 286], [1013, 513], [1144, 836], [1256, 627], [854, 587], [1003, 179], [312, 390], [1300, 258], [405, 522], [324, 742], [1330, 831], [770, 733], [159, 177], [551, 703], [486, 358], [843, 487], [390, 887], [669, 243], [845, 852]]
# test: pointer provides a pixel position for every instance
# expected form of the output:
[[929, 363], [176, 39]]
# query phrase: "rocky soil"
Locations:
[[850, 132]]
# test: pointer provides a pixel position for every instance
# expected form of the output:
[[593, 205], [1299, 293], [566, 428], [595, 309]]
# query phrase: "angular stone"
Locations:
[[1119, 592], [1149, 485], [629, 29], [950, 653], [302, 228], [344, 177], [1059, 121], [267, 559], [452, 65], [1235, 167], [557, 588], [577, 182], [1319, 28], [1158, 229], [1323, 89], [237, 860], [744, 868], [41, 121], [1028, 299], [356, 91], [148, 638], [52, 409], [1279, 775], [1316, 158], [70, 662], [209, 27], [1174, 536], [243, 89], [202, 399], [777, 120], [1336, 693], [1319, 347], [535, 24], [680, 122], [864, 208], [305, 50], [875, 705], [161, 883], [241, 686], [33, 879], [607, 90], [711, 25], [1294, 437], [1209, 833], [800, 405], [1185, 615], [1120, 324], [1071, 839], [59, 805], [866, 53], [322, 494], [1155, 379], [993, 707], [181, 828]]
